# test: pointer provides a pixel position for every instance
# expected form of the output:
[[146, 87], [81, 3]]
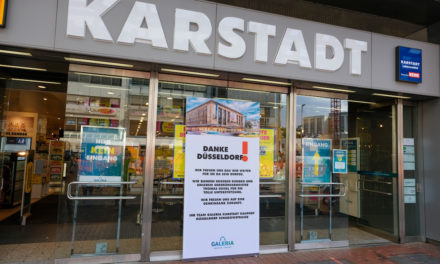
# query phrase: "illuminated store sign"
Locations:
[[3, 10], [409, 64], [192, 29]]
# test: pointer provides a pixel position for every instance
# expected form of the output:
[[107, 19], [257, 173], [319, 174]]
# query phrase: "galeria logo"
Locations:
[[3, 8], [222, 243]]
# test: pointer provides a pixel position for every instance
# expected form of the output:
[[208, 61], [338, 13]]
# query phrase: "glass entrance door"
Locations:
[[100, 180], [321, 169]]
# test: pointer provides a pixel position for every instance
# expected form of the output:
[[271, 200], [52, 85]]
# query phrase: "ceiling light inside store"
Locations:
[[44, 98], [190, 73], [392, 96], [100, 75], [266, 81], [22, 67], [34, 81], [333, 89], [105, 87], [41, 86], [99, 62], [170, 98], [245, 90], [110, 93], [186, 84], [11, 52], [361, 102]]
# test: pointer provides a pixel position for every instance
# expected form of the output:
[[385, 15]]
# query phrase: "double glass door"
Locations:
[[321, 134], [354, 201], [101, 184]]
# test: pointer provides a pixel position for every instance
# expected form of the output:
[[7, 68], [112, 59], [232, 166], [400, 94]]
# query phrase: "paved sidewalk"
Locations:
[[389, 254]]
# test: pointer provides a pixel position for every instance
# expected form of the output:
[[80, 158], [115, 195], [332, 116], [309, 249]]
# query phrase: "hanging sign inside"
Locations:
[[102, 154]]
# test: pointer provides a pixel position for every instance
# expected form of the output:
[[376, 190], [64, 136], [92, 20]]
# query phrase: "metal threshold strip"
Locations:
[[100, 259], [177, 254]]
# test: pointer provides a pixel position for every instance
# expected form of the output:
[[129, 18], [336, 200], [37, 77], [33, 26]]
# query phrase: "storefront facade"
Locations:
[[77, 70]]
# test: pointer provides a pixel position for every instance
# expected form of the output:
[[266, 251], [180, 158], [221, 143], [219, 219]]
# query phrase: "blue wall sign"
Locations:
[[408, 64], [339, 161], [317, 160], [102, 154]]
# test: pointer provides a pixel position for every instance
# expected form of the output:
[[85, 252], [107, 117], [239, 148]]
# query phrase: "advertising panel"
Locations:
[[56, 160], [221, 206], [409, 64], [3, 10], [102, 154], [316, 160], [267, 152], [179, 152], [339, 161]]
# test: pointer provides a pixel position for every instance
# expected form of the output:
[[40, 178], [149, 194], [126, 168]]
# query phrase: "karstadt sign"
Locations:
[[192, 30]]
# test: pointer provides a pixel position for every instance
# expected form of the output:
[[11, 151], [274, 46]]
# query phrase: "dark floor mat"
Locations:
[[415, 259]]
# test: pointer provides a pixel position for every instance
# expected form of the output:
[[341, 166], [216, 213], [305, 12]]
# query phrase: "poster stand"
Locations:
[[330, 196], [78, 198]]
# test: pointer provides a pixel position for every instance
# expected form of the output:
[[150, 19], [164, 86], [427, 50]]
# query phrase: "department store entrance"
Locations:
[[359, 205], [330, 209]]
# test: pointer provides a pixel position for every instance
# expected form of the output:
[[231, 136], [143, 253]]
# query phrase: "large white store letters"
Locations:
[[293, 38], [237, 46], [183, 35], [134, 32], [262, 33], [81, 15], [193, 30], [322, 62]]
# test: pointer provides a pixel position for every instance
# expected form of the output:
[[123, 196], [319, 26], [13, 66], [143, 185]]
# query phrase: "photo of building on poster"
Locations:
[[222, 117]]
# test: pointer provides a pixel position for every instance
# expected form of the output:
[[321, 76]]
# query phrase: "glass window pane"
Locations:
[[114, 110], [168, 184]]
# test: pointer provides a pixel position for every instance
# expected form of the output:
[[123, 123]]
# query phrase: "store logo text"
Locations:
[[193, 29]]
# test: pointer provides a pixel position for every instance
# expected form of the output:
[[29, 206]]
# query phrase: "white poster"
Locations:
[[221, 206]]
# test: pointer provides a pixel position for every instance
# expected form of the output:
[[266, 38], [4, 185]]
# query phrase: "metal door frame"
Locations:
[[419, 174], [147, 254], [292, 170], [108, 71]]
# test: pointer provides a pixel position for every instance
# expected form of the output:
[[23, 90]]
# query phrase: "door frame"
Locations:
[[108, 71], [398, 103], [295, 91]]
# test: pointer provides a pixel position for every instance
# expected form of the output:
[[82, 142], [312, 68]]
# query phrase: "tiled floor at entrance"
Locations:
[[415, 253], [45, 252]]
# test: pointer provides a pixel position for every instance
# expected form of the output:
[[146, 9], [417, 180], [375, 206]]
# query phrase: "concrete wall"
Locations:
[[431, 146]]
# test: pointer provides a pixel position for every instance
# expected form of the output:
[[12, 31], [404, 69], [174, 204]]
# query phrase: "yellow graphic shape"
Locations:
[[316, 158], [2, 12]]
